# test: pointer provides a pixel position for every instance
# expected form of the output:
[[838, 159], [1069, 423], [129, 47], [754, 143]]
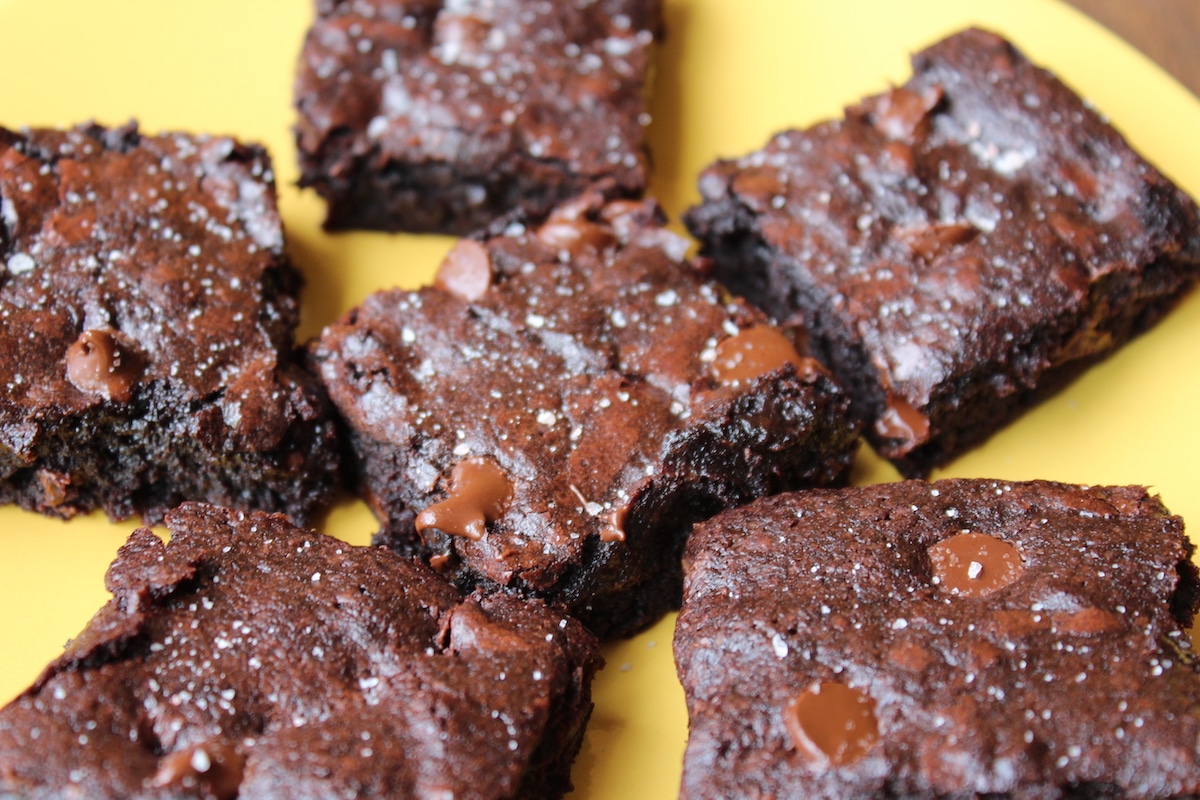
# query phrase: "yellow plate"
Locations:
[[730, 74]]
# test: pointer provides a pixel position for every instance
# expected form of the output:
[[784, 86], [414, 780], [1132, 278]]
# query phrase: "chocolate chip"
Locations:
[[974, 564], [466, 271], [832, 722], [755, 352], [900, 420], [102, 362], [614, 525], [479, 493]]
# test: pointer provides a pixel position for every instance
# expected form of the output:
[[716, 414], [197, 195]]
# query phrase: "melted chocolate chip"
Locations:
[[755, 352], [900, 420], [466, 272], [213, 768], [479, 492], [101, 362], [832, 722], [614, 525], [975, 564]]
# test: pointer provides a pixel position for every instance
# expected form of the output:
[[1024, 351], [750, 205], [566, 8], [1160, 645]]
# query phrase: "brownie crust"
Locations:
[[584, 371], [957, 247], [251, 658], [957, 639], [148, 310], [432, 116]]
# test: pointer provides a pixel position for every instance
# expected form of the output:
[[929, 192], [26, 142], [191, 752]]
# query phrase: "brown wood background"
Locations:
[[1168, 31]]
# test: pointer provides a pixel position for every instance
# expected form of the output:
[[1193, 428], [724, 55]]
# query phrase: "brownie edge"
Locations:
[[962, 638]]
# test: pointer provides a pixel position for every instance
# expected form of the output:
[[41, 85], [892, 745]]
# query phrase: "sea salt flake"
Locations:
[[20, 263]]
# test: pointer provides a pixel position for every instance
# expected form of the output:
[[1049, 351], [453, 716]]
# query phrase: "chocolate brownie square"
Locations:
[[147, 311], [249, 658], [957, 247], [965, 638], [441, 116], [563, 403]]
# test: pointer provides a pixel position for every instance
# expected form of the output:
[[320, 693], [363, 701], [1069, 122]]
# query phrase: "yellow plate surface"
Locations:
[[730, 74]]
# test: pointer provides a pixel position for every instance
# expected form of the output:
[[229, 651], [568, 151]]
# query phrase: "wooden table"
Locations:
[[1168, 31]]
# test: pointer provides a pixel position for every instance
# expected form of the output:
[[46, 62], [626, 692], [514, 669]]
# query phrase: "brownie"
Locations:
[[957, 247], [250, 658], [965, 638], [147, 311], [441, 116], [555, 412]]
